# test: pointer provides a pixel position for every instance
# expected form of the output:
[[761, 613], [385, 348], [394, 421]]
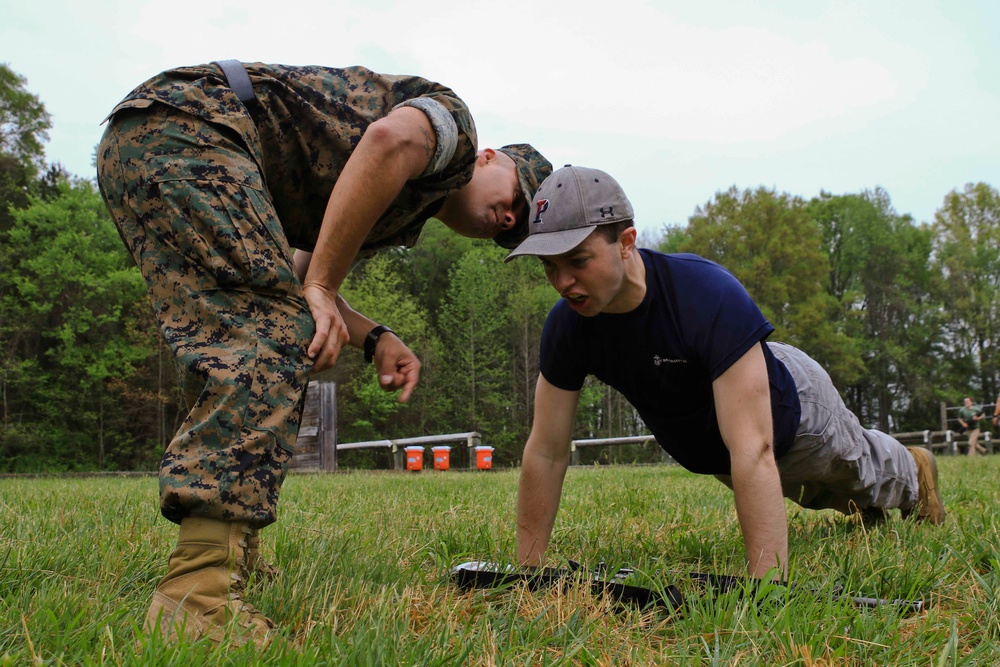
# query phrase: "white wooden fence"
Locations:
[[399, 445], [317, 444]]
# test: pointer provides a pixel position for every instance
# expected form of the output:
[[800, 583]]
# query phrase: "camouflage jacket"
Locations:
[[308, 123]]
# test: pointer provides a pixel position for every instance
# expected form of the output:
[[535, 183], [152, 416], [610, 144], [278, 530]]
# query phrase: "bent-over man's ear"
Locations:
[[486, 155]]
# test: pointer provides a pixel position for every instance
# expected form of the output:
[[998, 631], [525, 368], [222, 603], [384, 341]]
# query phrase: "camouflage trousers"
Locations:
[[192, 208]]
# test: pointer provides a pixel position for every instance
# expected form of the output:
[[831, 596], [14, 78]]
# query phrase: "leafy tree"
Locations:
[[69, 290], [526, 300], [24, 123], [967, 261], [377, 289], [24, 126], [672, 239], [879, 277], [473, 323], [769, 242], [429, 262]]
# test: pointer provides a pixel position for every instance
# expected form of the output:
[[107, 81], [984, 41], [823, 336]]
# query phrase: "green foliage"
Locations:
[[967, 262], [68, 292], [376, 289], [527, 299], [769, 242], [24, 122], [902, 315], [672, 239], [24, 125], [428, 265], [880, 277], [472, 319]]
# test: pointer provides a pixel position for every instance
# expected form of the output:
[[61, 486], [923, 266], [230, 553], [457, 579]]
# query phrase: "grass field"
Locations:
[[365, 561]]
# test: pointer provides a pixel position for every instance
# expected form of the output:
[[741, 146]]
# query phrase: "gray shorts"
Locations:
[[835, 463]]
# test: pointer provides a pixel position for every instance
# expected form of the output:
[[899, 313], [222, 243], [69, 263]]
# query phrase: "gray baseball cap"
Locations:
[[568, 206]]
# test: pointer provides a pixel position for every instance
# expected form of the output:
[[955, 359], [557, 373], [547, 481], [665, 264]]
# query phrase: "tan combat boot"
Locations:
[[255, 561], [202, 594], [929, 507]]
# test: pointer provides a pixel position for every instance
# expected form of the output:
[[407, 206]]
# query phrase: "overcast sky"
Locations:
[[677, 100]]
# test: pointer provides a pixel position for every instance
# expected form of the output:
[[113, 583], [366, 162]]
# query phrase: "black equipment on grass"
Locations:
[[481, 574]]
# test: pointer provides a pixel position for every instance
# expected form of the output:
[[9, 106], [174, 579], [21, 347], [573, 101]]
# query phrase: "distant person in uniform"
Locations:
[[969, 416], [214, 175], [682, 340]]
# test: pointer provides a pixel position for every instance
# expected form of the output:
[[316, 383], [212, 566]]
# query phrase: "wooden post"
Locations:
[[944, 416], [328, 426], [472, 442]]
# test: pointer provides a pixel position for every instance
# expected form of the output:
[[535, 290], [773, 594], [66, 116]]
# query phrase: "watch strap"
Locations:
[[372, 339]]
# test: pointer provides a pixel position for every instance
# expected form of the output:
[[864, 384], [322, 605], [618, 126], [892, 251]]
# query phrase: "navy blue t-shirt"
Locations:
[[695, 321]]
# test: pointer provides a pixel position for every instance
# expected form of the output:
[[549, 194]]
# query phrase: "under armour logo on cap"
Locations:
[[541, 206], [607, 210]]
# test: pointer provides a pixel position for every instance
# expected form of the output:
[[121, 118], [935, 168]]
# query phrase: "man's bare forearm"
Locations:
[[760, 507], [392, 151], [358, 325], [539, 490]]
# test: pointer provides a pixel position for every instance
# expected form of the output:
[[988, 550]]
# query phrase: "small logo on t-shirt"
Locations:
[[658, 360]]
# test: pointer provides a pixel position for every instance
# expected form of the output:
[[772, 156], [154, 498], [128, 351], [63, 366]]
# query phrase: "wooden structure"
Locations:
[[575, 445], [945, 442], [471, 439], [939, 442], [316, 446]]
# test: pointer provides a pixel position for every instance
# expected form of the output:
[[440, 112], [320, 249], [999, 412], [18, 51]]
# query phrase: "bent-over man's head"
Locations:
[[494, 203]]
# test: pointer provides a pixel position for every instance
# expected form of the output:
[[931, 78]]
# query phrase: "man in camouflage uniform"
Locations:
[[211, 196]]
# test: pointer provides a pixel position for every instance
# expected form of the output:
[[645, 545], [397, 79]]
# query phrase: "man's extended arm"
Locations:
[[543, 469], [743, 405], [393, 150], [395, 364]]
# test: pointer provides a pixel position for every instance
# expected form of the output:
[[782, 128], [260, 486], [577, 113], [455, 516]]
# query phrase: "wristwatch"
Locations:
[[372, 338]]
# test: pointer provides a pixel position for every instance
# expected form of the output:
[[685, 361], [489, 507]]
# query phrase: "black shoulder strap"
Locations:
[[238, 79]]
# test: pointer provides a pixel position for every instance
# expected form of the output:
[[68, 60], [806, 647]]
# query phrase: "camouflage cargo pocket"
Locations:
[[215, 214]]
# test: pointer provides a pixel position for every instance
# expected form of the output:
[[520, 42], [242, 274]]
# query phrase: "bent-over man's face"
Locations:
[[490, 203]]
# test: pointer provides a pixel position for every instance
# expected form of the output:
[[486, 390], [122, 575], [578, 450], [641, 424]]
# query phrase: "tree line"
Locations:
[[903, 315]]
